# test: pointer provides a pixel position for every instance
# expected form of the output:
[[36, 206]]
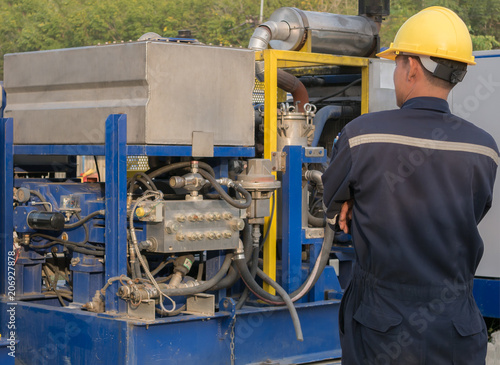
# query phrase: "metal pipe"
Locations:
[[314, 176], [259, 41]]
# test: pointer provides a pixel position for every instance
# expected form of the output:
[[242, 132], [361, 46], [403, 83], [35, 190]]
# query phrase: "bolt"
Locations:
[[209, 217], [227, 234], [180, 218], [172, 227], [191, 236], [227, 215], [210, 235], [217, 216], [192, 217], [180, 237], [75, 261], [200, 236], [218, 235], [237, 224]]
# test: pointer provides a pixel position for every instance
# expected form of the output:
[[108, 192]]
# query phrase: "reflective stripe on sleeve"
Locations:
[[424, 143]]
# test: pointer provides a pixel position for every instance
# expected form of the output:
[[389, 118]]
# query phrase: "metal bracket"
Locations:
[[278, 161], [201, 305], [203, 144], [227, 305], [314, 151], [145, 310], [315, 233]]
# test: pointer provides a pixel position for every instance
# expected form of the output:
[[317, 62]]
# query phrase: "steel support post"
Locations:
[[6, 190], [291, 251], [116, 205]]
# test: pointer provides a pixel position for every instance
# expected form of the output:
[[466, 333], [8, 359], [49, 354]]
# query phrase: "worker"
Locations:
[[411, 185]]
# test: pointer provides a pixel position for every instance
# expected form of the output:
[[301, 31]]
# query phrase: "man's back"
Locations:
[[421, 180]]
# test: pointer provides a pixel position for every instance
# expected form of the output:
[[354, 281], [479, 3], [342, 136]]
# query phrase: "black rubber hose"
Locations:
[[73, 246], [268, 230], [256, 289], [161, 265], [202, 287], [179, 165], [233, 275], [225, 195], [84, 220], [143, 179], [56, 240], [253, 272], [315, 221], [338, 92], [295, 295]]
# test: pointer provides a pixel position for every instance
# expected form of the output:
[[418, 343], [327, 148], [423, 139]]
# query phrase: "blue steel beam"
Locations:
[[292, 219], [116, 205], [487, 295], [132, 150], [6, 187]]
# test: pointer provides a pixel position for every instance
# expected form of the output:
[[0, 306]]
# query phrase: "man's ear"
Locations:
[[414, 68]]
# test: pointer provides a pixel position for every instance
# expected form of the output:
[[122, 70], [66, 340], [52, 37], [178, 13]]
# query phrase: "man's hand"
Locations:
[[345, 215]]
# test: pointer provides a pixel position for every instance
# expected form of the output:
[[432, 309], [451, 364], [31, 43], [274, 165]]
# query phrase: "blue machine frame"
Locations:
[[49, 334]]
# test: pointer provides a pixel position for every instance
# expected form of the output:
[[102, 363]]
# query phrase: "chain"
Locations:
[[231, 346]]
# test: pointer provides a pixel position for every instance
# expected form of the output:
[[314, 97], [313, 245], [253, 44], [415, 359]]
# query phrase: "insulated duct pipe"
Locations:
[[259, 41], [325, 113]]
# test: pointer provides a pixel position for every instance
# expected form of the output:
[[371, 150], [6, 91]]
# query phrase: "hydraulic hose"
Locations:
[[311, 280], [253, 272], [84, 220], [315, 221], [224, 195], [233, 275], [143, 179], [257, 290], [203, 286], [180, 165]]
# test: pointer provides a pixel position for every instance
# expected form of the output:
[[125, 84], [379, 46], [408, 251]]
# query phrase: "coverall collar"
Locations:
[[427, 102]]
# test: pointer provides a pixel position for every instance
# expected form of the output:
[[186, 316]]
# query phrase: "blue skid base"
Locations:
[[54, 335]]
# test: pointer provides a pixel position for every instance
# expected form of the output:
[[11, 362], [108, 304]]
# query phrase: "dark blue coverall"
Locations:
[[421, 179]]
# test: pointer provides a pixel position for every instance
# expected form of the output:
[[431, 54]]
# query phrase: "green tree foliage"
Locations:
[[32, 25]]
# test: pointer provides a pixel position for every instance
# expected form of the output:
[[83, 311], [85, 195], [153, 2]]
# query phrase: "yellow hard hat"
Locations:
[[435, 32]]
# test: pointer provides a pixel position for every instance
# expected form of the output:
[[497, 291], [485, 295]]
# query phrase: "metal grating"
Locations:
[[258, 92], [137, 163]]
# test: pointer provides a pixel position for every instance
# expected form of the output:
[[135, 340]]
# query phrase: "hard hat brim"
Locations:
[[391, 53]]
